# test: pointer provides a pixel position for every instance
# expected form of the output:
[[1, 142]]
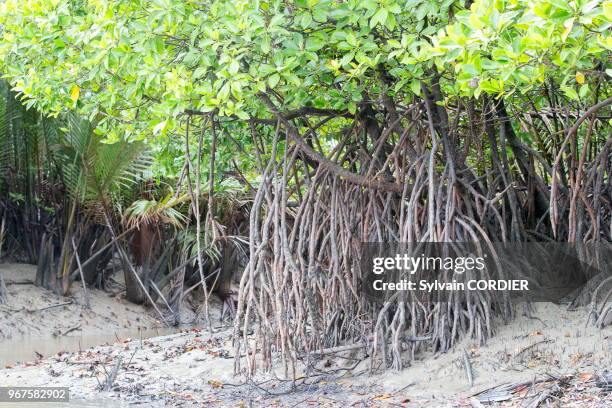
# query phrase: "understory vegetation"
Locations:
[[189, 143]]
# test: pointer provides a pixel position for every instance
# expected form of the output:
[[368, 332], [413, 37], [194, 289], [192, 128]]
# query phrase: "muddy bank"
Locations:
[[552, 352], [32, 310], [36, 321]]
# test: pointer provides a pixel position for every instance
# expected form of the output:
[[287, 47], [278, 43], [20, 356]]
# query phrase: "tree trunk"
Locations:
[[143, 243], [134, 292]]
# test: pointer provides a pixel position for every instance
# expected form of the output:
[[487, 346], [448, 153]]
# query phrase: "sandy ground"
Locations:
[[36, 311], [36, 321], [552, 354]]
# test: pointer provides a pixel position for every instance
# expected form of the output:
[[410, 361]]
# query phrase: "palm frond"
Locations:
[[153, 211], [96, 173]]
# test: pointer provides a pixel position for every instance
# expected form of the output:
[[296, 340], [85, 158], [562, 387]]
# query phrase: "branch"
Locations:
[[588, 113], [570, 133], [327, 164], [288, 115]]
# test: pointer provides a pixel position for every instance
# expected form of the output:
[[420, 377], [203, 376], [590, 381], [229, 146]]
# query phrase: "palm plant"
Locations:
[[21, 148], [148, 216], [151, 211], [96, 177], [94, 173]]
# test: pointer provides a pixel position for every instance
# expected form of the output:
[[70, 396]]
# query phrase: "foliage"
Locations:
[[137, 65], [98, 175], [134, 67], [156, 212]]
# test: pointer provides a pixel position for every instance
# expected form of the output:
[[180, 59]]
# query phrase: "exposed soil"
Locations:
[[551, 356], [32, 310]]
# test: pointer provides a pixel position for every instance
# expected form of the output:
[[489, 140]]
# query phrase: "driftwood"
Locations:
[[349, 347], [509, 391], [49, 307], [19, 282], [524, 349], [540, 398], [67, 331]]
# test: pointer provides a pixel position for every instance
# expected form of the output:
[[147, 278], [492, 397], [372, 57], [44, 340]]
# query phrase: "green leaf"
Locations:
[[560, 4], [314, 43], [265, 45], [347, 58], [352, 107], [319, 14], [234, 67], [379, 18], [160, 127], [583, 92], [273, 80], [241, 114], [569, 92], [306, 20]]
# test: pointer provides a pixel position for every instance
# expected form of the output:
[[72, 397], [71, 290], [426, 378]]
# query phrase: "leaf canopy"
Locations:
[[136, 65]]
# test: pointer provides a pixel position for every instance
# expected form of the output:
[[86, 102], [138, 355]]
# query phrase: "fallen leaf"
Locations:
[[74, 93], [215, 383]]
